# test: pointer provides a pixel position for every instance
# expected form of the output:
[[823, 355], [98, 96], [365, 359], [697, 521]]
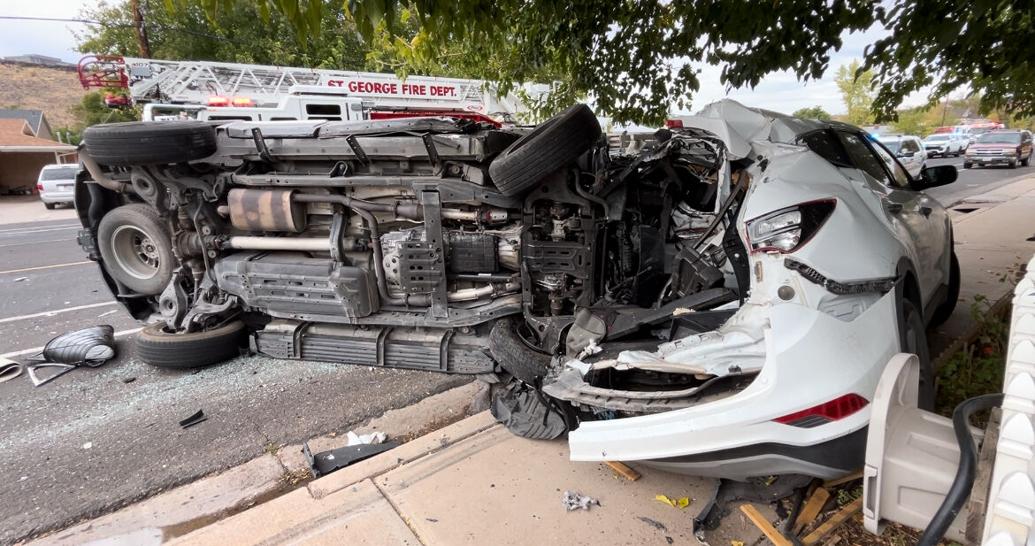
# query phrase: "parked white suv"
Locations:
[[909, 151], [56, 184], [944, 145]]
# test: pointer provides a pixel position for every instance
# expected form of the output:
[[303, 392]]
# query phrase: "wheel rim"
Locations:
[[136, 252]]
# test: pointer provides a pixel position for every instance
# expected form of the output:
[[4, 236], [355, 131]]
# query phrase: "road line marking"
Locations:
[[12, 354], [61, 226], [58, 311], [69, 264], [27, 231], [38, 242]]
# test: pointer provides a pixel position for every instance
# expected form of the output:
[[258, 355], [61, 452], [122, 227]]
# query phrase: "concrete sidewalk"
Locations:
[[474, 483]]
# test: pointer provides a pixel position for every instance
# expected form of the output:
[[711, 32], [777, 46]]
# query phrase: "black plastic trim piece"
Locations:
[[881, 286], [843, 453]]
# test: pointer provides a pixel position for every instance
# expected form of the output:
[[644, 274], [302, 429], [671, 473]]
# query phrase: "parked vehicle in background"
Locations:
[[56, 184], [1000, 148], [908, 149], [944, 145]]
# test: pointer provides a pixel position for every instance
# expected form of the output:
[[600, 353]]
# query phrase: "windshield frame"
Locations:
[[1016, 138]]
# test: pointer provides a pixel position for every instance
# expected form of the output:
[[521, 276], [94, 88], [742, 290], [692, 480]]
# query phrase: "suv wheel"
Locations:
[[158, 347], [136, 248]]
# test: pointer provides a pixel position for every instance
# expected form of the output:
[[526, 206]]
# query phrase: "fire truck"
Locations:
[[233, 91]]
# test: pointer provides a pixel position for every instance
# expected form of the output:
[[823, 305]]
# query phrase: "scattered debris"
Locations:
[[129, 379], [325, 462], [836, 520], [811, 510], [354, 439], [623, 470], [106, 313], [89, 347], [574, 500], [655, 524], [20, 279], [681, 502], [736, 543], [9, 369], [87, 445], [194, 419], [763, 525], [857, 475], [37, 380]]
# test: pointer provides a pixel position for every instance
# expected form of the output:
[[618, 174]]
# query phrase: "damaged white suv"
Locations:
[[721, 301]]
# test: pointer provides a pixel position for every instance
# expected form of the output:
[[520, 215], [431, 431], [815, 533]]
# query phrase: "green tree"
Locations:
[[92, 110], [812, 112], [630, 55], [241, 32], [856, 92]]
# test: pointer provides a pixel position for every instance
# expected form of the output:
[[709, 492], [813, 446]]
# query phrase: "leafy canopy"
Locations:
[[633, 55], [812, 112]]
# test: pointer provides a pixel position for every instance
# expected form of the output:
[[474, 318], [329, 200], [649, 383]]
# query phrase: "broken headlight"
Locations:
[[788, 229]]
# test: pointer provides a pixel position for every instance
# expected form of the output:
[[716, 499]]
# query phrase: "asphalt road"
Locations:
[[96, 439], [976, 182]]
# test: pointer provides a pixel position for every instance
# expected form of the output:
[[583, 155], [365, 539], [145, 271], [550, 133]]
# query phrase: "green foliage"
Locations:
[[978, 367], [812, 112], [242, 32], [982, 45], [856, 93], [92, 111]]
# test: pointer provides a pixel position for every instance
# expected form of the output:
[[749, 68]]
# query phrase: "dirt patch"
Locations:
[[53, 90]]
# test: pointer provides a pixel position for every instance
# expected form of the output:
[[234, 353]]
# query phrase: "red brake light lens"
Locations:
[[674, 123], [788, 229], [824, 413], [39, 187]]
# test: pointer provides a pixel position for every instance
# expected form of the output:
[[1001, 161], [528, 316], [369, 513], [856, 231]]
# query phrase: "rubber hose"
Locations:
[[959, 491]]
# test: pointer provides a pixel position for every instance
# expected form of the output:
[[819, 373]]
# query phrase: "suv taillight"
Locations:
[[824, 413], [786, 230], [39, 188]]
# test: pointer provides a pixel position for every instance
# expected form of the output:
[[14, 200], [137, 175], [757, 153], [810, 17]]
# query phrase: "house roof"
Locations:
[[16, 136], [35, 118]]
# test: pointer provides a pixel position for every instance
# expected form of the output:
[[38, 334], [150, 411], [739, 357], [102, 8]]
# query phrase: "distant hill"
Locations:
[[53, 90]]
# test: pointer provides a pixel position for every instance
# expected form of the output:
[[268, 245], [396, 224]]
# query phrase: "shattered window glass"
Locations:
[[826, 146], [863, 158]]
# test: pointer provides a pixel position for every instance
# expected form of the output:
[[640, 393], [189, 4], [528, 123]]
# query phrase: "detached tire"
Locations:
[[513, 354], [157, 347], [149, 142], [549, 147], [136, 248]]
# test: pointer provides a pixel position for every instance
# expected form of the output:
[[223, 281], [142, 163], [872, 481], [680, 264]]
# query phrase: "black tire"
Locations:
[[148, 142], [50, 206], [521, 409], [913, 339], [157, 347], [1026, 161], [549, 147], [136, 248], [944, 311], [1013, 164], [515, 355]]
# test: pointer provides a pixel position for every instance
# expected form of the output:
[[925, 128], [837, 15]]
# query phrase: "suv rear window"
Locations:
[[63, 173], [826, 145]]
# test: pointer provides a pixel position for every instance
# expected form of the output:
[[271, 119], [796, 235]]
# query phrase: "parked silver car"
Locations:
[[56, 184]]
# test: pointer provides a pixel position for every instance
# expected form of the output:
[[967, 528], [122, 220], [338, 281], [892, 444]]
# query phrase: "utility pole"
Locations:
[[138, 25]]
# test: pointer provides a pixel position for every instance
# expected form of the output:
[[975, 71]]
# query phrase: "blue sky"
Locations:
[[781, 92]]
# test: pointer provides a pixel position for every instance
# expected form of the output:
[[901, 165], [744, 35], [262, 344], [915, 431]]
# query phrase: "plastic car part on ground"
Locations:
[[90, 347], [325, 462], [574, 500]]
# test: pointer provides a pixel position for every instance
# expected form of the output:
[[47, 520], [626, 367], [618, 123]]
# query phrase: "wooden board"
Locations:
[[623, 470], [763, 525], [811, 509], [834, 522], [857, 475]]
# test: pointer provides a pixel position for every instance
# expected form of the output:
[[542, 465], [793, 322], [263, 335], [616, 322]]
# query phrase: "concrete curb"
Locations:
[[210, 499]]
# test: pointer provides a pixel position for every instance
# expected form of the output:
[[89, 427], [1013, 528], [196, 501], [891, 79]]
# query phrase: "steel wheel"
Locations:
[[136, 252]]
